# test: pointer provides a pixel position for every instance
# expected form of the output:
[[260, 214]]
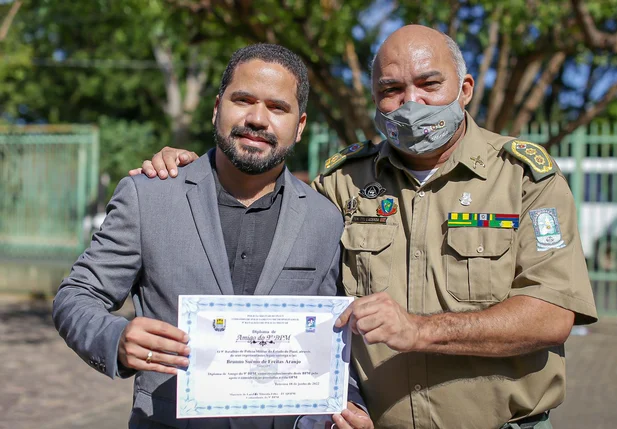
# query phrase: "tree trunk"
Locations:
[[179, 109], [537, 94], [8, 19], [497, 94], [487, 59]]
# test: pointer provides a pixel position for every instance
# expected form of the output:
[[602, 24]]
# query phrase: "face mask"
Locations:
[[417, 128]]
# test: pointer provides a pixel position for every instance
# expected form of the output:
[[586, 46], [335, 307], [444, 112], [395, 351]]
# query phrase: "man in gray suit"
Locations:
[[236, 222]]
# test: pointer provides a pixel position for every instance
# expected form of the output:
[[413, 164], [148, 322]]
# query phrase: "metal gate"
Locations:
[[588, 159], [48, 183]]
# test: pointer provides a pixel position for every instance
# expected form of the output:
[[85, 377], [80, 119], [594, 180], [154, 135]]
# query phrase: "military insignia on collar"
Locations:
[[351, 206], [387, 207], [372, 191], [547, 230], [477, 161]]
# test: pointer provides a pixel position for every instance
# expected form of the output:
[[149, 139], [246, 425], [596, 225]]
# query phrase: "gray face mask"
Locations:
[[417, 128]]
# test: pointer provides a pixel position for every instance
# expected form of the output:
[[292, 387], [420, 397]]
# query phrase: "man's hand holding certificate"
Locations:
[[263, 355]]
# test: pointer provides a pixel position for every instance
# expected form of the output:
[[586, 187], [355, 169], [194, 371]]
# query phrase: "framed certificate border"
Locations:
[[190, 305]]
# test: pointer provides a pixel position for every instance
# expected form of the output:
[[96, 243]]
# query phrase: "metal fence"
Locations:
[[48, 181], [588, 159]]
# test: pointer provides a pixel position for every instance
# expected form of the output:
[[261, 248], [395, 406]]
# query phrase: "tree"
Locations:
[[529, 47], [320, 33], [73, 62]]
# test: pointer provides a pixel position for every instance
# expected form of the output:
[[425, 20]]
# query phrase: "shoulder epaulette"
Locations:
[[534, 155], [356, 150]]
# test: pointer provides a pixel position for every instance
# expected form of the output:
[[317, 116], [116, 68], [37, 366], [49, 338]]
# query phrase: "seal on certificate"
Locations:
[[219, 324], [311, 323]]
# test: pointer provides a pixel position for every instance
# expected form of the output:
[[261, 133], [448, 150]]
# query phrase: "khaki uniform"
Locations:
[[429, 267]]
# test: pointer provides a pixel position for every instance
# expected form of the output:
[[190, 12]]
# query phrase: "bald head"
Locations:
[[419, 64], [418, 36]]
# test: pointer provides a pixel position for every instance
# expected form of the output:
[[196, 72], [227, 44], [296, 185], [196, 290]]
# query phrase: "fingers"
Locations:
[[137, 358], [167, 160], [148, 169], [361, 307], [135, 172], [344, 317], [368, 324], [170, 161], [186, 157], [164, 329], [356, 419], [165, 163], [166, 342], [351, 418]]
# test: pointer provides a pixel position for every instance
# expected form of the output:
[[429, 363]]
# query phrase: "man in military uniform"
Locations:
[[462, 247]]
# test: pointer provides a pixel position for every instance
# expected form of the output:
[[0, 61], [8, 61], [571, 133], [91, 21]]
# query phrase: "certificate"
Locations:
[[263, 355]]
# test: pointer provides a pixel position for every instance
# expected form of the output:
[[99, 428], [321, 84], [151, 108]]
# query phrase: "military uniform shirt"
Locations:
[[429, 267]]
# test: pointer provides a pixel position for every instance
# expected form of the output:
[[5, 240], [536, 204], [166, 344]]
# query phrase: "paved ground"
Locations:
[[45, 385]]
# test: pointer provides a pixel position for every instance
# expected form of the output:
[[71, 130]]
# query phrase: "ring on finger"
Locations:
[[149, 357]]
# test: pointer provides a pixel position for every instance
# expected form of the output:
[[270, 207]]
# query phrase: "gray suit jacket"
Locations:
[[163, 238]]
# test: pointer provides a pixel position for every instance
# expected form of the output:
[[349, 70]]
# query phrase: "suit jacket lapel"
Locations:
[[204, 207], [293, 210]]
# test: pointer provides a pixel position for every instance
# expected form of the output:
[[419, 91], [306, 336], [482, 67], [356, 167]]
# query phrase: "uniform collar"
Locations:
[[385, 156], [471, 150]]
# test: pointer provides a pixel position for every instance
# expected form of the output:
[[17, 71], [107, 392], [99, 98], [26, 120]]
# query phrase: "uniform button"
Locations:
[[417, 387], [417, 253], [480, 249], [421, 194], [243, 256]]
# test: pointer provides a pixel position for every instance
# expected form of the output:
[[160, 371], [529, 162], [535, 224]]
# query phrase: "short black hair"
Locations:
[[270, 53]]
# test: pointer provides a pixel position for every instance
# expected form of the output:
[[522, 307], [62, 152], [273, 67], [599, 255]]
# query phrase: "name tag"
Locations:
[[369, 219]]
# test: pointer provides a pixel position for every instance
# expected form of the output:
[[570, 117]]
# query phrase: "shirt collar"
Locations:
[[228, 199], [471, 150]]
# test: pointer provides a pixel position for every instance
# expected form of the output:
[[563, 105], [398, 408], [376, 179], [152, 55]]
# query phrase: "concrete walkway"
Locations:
[[46, 386]]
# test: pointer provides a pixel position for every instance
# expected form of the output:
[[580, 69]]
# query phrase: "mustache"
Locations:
[[239, 131]]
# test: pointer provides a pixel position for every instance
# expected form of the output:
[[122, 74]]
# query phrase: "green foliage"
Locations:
[[124, 145], [49, 73]]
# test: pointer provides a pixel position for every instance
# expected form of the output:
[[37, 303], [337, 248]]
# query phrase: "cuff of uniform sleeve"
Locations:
[[584, 312]]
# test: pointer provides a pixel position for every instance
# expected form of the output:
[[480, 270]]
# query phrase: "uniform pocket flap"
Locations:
[[367, 237], [480, 242]]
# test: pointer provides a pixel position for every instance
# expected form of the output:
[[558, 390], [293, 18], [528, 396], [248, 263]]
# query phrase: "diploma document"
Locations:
[[263, 355]]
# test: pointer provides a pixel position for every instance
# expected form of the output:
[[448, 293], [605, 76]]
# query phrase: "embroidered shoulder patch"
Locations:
[[356, 150], [534, 155], [547, 230]]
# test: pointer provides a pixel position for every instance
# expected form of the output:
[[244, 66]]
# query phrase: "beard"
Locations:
[[251, 160]]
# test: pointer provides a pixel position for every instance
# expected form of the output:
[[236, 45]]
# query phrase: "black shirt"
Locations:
[[248, 232]]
